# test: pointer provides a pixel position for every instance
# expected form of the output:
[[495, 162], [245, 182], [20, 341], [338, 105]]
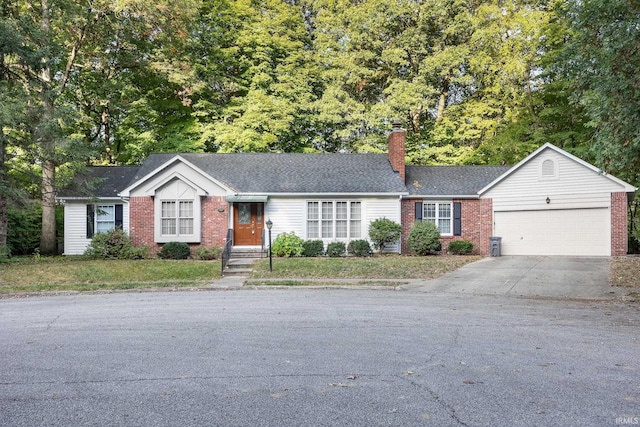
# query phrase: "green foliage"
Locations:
[[383, 231], [208, 253], [336, 249], [287, 245], [175, 250], [360, 248], [5, 253], [114, 244], [460, 247], [312, 248], [424, 238], [600, 59], [24, 229]]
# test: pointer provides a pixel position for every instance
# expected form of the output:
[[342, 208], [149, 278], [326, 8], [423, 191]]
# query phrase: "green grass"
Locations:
[[77, 274], [61, 274], [377, 267]]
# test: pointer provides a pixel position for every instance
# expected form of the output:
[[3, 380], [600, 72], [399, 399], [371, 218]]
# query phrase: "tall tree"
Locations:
[[73, 36], [601, 60]]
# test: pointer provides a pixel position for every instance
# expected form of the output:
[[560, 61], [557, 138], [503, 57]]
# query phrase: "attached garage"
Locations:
[[553, 203], [576, 232]]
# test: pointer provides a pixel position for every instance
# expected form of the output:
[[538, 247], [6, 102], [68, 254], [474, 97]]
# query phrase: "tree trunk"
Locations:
[[48, 237], [4, 216], [442, 102]]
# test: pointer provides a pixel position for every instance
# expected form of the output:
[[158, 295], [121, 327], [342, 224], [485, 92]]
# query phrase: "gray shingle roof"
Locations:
[[101, 181], [270, 173], [450, 180], [267, 173]]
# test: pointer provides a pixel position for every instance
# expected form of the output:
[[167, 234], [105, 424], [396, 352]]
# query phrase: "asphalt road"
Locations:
[[317, 357]]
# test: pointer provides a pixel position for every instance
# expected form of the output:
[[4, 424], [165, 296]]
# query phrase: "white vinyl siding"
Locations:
[[381, 208], [573, 186], [293, 215], [75, 225], [576, 220], [340, 219]]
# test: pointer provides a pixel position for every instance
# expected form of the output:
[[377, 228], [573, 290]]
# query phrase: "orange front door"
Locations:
[[247, 224]]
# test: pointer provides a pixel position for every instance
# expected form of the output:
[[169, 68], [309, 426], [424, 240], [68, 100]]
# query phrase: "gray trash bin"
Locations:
[[495, 246]]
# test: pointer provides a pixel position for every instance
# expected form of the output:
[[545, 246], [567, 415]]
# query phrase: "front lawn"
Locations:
[[376, 267], [77, 274]]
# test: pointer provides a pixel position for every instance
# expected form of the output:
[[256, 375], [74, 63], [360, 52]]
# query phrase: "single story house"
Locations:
[[551, 203]]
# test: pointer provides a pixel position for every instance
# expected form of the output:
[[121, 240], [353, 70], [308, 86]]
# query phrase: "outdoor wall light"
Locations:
[[548, 200], [220, 210]]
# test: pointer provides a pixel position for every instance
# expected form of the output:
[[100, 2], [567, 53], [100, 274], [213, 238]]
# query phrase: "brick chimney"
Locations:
[[396, 148]]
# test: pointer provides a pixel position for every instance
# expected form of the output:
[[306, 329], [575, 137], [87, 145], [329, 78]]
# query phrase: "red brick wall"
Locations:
[[214, 223], [213, 230], [619, 226], [141, 222], [486, 225], [408, 217], [396, 143], [477, 223]]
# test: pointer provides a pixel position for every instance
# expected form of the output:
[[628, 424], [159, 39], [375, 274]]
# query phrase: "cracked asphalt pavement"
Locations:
[[321, 357]]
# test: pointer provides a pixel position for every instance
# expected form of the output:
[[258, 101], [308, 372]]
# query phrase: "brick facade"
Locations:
[[215, 211], [619, 226], [141, 222], [396, 143], [214, 223], [476, 219]]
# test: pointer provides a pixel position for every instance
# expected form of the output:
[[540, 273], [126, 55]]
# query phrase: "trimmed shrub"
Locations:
[[336, 249], [359, 248], [460, 247], [312, 248], [207, 254], [424, 238], [114, 244], [174, 250], [287, 245], [383, 231]]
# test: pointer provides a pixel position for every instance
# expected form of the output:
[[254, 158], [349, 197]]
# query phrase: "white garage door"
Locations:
[[580, 232]]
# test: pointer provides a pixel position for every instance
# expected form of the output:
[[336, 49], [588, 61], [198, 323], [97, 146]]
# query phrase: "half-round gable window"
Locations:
[[548, 169]]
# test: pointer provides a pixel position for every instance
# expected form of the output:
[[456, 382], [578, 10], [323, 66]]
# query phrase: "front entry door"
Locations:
[[248, 224]]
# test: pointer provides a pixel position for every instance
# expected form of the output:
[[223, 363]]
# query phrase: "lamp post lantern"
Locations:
[[269, 224]]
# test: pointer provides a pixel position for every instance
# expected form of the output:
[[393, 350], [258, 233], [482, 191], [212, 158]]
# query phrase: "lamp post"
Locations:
[[269, 225]]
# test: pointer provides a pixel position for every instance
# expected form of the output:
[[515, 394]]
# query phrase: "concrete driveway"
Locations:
[[531, 276]]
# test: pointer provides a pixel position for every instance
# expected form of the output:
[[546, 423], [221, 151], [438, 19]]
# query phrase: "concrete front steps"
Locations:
[[241, 259]]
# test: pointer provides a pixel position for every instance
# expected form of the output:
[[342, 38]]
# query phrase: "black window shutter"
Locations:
[[419, 211], [118, 223], [91, 215], [457, 218]]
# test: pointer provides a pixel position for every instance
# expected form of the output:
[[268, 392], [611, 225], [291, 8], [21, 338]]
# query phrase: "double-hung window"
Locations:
[[103, 218], [177, 217], [439, 213], [334, 219]]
